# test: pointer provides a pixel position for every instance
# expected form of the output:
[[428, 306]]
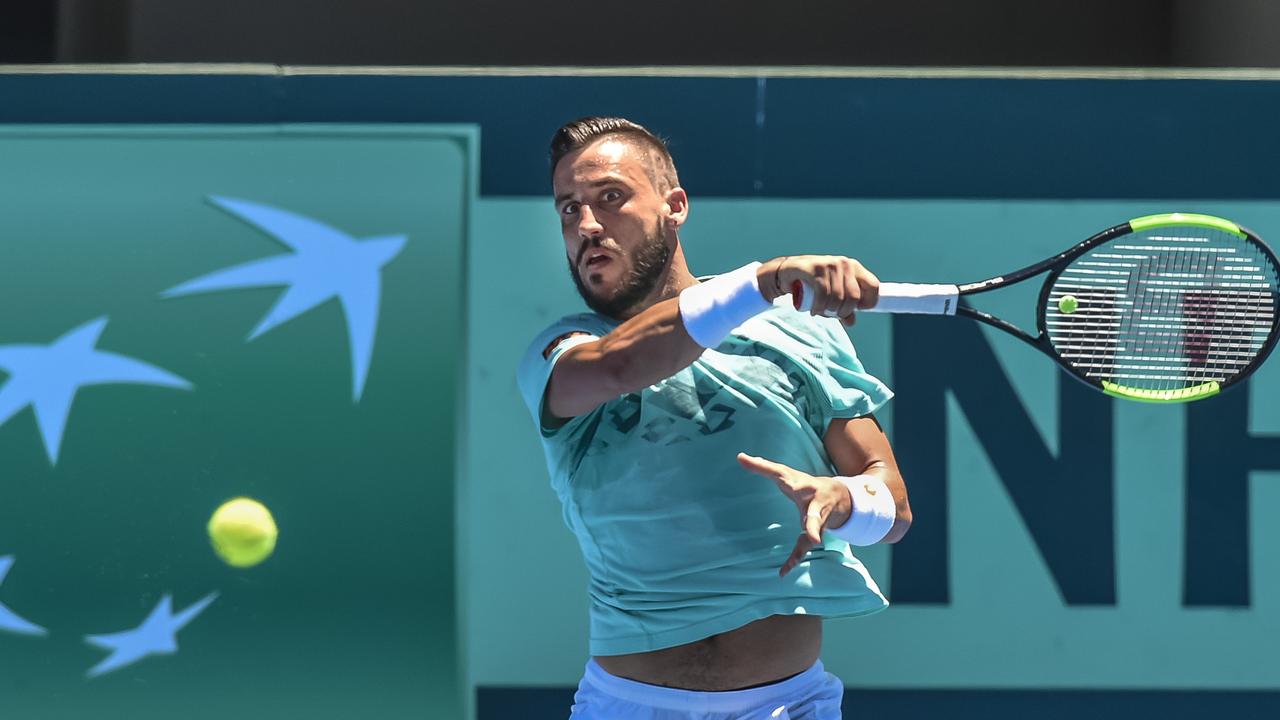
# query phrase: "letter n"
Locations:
[[1066, 502]]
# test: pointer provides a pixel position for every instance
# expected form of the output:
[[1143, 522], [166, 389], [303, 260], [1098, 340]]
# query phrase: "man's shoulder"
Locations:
[[543, 342], [588, 322]]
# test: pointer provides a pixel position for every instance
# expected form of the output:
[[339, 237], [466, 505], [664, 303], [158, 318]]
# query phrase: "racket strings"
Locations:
[[1165, 309]]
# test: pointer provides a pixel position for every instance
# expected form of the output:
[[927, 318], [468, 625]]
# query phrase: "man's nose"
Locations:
[[588, 226]]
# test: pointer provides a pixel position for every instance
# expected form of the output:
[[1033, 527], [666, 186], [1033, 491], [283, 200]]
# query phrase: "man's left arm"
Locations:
[[858, 446]]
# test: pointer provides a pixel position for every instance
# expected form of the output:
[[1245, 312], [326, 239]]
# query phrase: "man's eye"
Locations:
[[612, 196], [569, 209]]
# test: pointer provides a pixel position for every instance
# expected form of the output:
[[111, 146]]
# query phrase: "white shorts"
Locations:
[[814, 694]]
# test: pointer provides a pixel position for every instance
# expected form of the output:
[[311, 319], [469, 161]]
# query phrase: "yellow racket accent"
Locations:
[[1147, 222], [1187, 394]]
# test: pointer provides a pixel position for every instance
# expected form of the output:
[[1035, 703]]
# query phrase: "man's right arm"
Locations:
[[654, 345], [645, 349]]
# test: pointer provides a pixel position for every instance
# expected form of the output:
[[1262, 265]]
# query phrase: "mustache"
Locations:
[[582, 250]]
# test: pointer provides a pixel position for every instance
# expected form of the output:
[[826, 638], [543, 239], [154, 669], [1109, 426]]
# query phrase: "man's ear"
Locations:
[[677, 201]]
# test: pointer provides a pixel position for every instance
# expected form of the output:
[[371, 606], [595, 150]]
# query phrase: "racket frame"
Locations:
[[1058, 263]]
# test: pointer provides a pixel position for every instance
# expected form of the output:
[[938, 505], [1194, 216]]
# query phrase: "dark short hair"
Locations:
[[574, 136]]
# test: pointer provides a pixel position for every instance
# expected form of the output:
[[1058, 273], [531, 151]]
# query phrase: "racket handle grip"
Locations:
[[917, 298]]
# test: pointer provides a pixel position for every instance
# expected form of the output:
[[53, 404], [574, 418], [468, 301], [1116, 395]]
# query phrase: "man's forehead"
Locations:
[[610, 151], [607, 157]]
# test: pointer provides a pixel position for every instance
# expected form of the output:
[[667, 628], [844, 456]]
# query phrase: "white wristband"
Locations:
[[873, 511], [712, 309]]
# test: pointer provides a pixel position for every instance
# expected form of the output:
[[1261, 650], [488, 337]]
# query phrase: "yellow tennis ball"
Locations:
[[243, 532]]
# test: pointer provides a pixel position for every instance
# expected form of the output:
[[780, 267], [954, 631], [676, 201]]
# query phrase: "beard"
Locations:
[[647, 266]]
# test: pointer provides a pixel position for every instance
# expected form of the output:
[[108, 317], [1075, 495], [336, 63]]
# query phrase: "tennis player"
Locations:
[[692, 429]]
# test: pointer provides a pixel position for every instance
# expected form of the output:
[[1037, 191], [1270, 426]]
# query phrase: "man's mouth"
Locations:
[[597, 262]]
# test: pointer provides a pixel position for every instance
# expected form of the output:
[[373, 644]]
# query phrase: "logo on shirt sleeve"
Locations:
[[546, 354]]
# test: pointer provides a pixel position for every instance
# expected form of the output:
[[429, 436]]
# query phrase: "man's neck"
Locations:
[[675, 280]]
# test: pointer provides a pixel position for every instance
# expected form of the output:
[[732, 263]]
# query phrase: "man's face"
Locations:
[[614, 223]]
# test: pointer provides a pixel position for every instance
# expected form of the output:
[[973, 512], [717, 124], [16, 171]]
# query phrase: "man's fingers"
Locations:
[[869, 284], [814, 519], [760, 466], [797, 554], [852, 293], [830, 286], [829, 301]]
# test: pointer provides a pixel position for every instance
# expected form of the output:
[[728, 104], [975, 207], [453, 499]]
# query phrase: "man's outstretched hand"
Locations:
[[822, 501]]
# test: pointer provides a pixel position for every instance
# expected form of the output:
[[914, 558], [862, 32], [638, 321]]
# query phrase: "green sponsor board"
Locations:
[[340, 250], [1009, 620]]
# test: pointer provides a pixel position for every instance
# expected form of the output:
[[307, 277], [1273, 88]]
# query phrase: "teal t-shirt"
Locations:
[[681, 543]]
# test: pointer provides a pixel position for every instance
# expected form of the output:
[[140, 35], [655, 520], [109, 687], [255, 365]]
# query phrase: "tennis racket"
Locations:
[[1163, 308]]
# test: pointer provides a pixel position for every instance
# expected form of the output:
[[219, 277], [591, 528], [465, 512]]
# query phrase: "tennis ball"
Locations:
[[1068, 304], [243, 532]]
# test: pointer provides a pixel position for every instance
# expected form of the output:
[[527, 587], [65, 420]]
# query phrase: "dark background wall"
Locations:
[[1154, 33]]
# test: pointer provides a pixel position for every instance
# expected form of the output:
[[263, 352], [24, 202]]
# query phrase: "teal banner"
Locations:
[[201, 313]]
